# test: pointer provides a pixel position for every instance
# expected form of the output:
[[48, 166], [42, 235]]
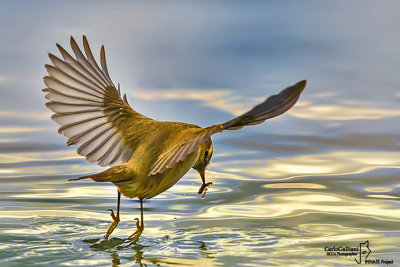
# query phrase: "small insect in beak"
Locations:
[[204, 186]]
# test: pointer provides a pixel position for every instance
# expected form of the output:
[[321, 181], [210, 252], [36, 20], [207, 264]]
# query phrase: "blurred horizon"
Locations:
[[215, 60]]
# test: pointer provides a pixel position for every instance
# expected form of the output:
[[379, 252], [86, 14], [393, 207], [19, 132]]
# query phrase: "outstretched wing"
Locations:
[[273, 106], [183, 148], [87, 105]]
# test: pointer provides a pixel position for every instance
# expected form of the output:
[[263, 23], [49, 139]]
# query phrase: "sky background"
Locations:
[[207, 61]]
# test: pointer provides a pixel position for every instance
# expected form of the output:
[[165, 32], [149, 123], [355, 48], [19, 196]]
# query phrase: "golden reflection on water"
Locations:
[[294, 204], [380, 189], [74, 192], [51, 213], [92, 262], [4, 171], [382, 196], [37, 156], [342, 162], [295, 185], [183, 262], [257, 210]]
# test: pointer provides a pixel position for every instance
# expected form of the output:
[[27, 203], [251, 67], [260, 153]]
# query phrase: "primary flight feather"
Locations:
[[146, 156]]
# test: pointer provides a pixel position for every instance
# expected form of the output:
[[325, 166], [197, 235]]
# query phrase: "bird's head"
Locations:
[[204, 158]]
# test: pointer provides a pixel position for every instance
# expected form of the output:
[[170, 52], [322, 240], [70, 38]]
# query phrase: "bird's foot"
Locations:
[[203, 188], [113, 224], [139, 229]]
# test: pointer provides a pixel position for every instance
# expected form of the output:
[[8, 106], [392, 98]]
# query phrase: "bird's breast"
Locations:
[[145, 187]]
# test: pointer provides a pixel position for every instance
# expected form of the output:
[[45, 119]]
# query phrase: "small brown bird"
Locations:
[[146, 156]]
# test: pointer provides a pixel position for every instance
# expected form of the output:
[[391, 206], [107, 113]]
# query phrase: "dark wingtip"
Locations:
[[72, 41], [60, 47], [52, 57], [300, 86], [301, 83]]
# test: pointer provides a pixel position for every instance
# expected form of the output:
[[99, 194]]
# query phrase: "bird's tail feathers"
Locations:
[[81, 178], [114, 174]]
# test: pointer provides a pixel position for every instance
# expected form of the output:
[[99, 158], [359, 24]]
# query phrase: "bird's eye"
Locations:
[[205, 159]]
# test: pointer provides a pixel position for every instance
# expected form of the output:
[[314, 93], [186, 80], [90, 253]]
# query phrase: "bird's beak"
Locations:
[[203, 178]]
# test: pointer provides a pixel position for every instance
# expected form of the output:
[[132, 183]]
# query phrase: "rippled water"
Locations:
[[324, 175], [284, 210]]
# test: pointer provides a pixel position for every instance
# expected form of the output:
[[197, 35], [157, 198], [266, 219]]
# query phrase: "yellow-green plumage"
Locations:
[[146, 157], [133, 178]]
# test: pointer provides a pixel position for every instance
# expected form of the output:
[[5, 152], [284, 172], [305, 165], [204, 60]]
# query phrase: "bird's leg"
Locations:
[[139, 226], [115, 218]]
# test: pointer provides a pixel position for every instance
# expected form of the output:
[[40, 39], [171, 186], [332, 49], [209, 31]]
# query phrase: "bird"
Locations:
[[145, 156]]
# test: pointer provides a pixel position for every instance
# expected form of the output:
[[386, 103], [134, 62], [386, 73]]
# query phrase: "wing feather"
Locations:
[[91, 59], [59, 107], [69, 130], [273, 106], [88, 107], [108, 154], [92, 114], [117, 154], [55, 85], [85, 63], [180, 151], [82, 132], [103, 61], [78, 66], [71, 81], [75, 73], [91, 145], [97, 153], [56, 96]]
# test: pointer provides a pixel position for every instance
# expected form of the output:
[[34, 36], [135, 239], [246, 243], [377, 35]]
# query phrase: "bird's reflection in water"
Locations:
[[115, 246], [115, 259], [137, 258]]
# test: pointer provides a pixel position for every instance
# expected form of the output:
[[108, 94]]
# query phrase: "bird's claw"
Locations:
[[113, 224], [203, 187], [137, 223], [137, 233], [112, 214]]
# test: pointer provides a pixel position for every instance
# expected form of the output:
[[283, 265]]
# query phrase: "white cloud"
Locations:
[[219, 99], [33, 115], [337, 112]]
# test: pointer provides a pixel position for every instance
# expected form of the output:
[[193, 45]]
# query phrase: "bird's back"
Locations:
[[150, 139]]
